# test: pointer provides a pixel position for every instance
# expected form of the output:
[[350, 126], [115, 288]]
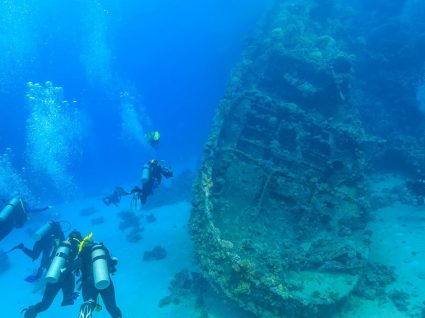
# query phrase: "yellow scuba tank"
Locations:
[[100, 267], [58, 263], [43, 230], [10, 208]]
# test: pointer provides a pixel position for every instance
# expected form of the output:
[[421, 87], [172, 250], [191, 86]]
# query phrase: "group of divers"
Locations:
[[73, 263]]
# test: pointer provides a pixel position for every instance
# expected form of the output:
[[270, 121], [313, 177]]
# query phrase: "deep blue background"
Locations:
[[176, 58], [177, 55]]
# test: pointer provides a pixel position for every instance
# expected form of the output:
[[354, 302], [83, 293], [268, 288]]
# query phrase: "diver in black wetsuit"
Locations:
[[59, 276], [15, 214], [151, 177], [97, 265], [48, 238], [115, 197]]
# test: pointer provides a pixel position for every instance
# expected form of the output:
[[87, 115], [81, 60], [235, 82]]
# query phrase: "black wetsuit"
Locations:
[[17, 218], [45, 246], [89, 291], [115, 197], [156, 171], [66, 283]]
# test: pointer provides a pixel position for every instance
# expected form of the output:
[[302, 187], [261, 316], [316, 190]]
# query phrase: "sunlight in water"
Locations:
[[17, 41], [133, 120], [11, 179], [96, 54], [53, 133], [413, 13]]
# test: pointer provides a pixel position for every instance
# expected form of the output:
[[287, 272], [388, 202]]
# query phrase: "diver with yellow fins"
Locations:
[[59, 276], [97, 266], [153, 138], [14, 214]]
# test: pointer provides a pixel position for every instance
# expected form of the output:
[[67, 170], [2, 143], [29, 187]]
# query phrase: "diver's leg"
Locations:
[[143, 197], [49, 295], [133, 202], [87, 308], [89, 293], [6, 226], [108, 297], [88, 290], [68, 286]]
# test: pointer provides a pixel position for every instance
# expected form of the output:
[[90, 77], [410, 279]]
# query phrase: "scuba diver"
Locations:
[[97, 265], [151, 177], [153, 138], [59, 276], [15, 214], [115, 197], [47, 239]]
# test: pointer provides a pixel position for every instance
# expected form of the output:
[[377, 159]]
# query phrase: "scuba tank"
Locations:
[[42, 231], [146, 173], [10, 208], [58, 263], [100, 267]]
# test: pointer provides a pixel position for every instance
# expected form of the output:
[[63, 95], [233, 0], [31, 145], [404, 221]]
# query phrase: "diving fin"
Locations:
[[29, 312], [86, 310]]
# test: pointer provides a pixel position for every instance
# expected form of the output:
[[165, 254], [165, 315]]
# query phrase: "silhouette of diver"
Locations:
[[47, 240], [115, 197], [15, 214], [151, 177]]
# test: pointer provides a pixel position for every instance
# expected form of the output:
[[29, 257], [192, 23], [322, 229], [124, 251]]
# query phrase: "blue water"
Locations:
[[82, 82], [102, 74], [175, 57]]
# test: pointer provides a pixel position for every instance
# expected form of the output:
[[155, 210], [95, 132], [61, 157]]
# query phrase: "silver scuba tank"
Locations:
[[9, 208], [42, 231], [58, 263], [100, 267], [146, 173]]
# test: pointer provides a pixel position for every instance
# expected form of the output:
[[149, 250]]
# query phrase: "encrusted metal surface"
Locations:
[[280, 205]]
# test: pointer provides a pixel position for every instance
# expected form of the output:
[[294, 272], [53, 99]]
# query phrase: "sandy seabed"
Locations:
[[398, 240], [139, 285]]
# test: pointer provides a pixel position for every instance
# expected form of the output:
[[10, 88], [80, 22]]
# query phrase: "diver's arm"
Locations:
[[29, 253], [36, 210], [167, 172]]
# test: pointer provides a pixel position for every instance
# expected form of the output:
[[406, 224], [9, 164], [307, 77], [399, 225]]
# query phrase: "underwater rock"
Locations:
[[4, 262], [130, 221], [156, 254], [280, 205], [400, 299], [135, 235], [88, 211], [373, 282], [184, 285], [97, 221], [151, 218]]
